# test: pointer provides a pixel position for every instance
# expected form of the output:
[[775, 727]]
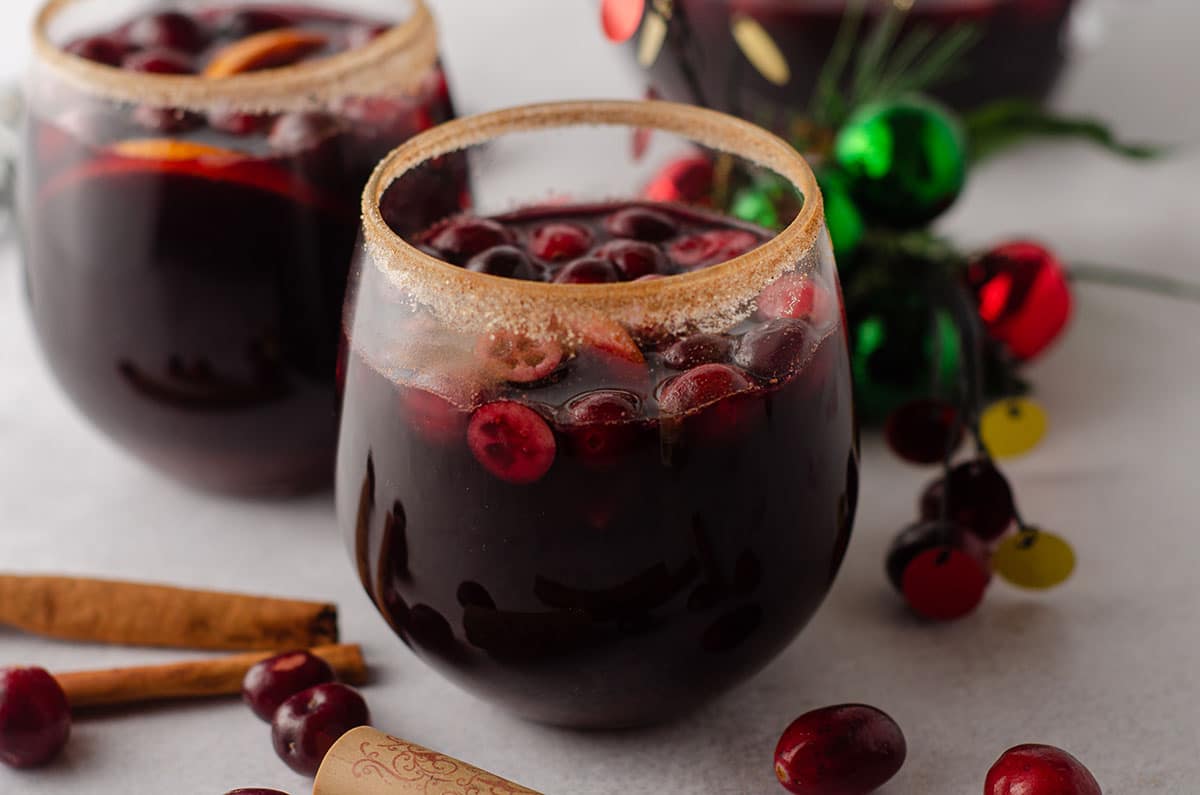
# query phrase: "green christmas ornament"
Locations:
[[901, 350], [906, 159], [845, 222], [754, 204]]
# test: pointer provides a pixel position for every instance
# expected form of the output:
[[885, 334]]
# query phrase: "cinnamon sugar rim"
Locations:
[[709, 299], [394, 61]]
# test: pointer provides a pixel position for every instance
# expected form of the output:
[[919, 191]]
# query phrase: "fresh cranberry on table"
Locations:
[[35, 719], [1034, 769], [272, 681], [170, 29], [850, 749], [307, 725]]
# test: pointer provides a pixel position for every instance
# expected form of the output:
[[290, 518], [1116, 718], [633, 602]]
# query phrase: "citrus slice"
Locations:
[[265, 50], [172, 149]]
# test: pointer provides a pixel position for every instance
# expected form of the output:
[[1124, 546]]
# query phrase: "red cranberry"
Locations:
[[508, 261], [640, 223], [459, 239], [236, 123], [271, 682], [559, 242], [518, 358], [850, 749], [796, 295], [980, 499], [1039, 770], [101, 49], [434, 417], [712, 247], [512, 441], [924, 431], [248, 21], [633, 258], [944, 584], [35, 720], [170, 29], [699, 387], [301, 131], [698, 349], [307, 725], [159, 61], [588, 270], [601, 425], [776, 349]]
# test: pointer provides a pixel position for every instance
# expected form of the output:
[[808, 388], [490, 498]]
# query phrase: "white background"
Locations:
[[1108, 667]]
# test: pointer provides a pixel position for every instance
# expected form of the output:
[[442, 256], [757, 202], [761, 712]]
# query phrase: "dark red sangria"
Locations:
[[597, 458], [189, 203], [1020, 50]]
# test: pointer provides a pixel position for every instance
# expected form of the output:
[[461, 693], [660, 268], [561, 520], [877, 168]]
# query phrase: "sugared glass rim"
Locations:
[[396, 60], [710, 299]]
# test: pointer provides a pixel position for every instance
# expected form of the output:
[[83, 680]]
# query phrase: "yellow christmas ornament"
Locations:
[[1034, 559], [1012, 427], [761, 50], [654, 34]]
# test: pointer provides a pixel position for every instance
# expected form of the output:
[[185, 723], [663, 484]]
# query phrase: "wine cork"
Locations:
[[366, 761]]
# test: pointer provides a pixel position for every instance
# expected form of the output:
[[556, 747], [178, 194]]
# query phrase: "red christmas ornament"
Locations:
[[944, 584], [1023, 296], [621, 18], [687, 179], [923, 431]]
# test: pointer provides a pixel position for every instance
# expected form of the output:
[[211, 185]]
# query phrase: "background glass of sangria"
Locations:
[[189, 196], [597, 458], [1020, 50]]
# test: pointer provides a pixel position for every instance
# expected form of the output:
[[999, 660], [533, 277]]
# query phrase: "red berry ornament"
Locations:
[[944, 584], [980, 499], [1039, 770], [1023, 296], [850, 749], [923, 431]]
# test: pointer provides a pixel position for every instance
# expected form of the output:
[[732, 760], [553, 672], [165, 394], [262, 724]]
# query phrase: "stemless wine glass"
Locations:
[[1019, 50], [189, 198], [598, 504]]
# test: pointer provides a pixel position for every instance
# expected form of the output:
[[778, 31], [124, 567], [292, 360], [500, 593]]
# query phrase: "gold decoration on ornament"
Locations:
[[1012, 427], [654, 35], [1034, 559], [760, 49]]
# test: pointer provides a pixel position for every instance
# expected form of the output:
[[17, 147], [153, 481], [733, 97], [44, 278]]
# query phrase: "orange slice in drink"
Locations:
[[172, 150], [267, 50]]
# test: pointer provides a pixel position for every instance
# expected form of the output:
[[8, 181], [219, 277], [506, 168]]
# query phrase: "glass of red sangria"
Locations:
[[1020, 51], [189, 196], [597, 458]]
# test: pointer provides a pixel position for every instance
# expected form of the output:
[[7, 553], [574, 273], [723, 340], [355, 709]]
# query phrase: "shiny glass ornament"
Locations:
[[906, 160], [1023, 296], [923, 431], [980, 499]]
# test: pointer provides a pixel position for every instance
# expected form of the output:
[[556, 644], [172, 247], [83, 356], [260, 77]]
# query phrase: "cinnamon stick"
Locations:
[[108, 611], [194, 679]]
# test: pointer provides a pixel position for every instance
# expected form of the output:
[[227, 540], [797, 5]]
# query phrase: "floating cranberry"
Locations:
[[434, 417], [698, 349], [924, 431], [776, 349], [518, 358], [712, 247], [796, 295], [559, 242], [272, 681], [588, 270], [160, 61], [507, 261], [633, 258], [301, 131], [461, 238], [248, 21], [101, 49], [917, 538], [944, 584], [512, 441], [169, 29], [35, 720], [849, 749], [236, 123], [600, 425], [1034, 769], [1023, 295], [307, 725], [701, 386], [980, 499], [640, 223]]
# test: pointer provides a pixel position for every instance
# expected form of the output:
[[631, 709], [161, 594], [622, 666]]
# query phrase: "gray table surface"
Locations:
[[1108, 667]]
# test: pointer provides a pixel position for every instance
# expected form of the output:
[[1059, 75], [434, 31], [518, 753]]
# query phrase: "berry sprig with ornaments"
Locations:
[[938, 334]]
